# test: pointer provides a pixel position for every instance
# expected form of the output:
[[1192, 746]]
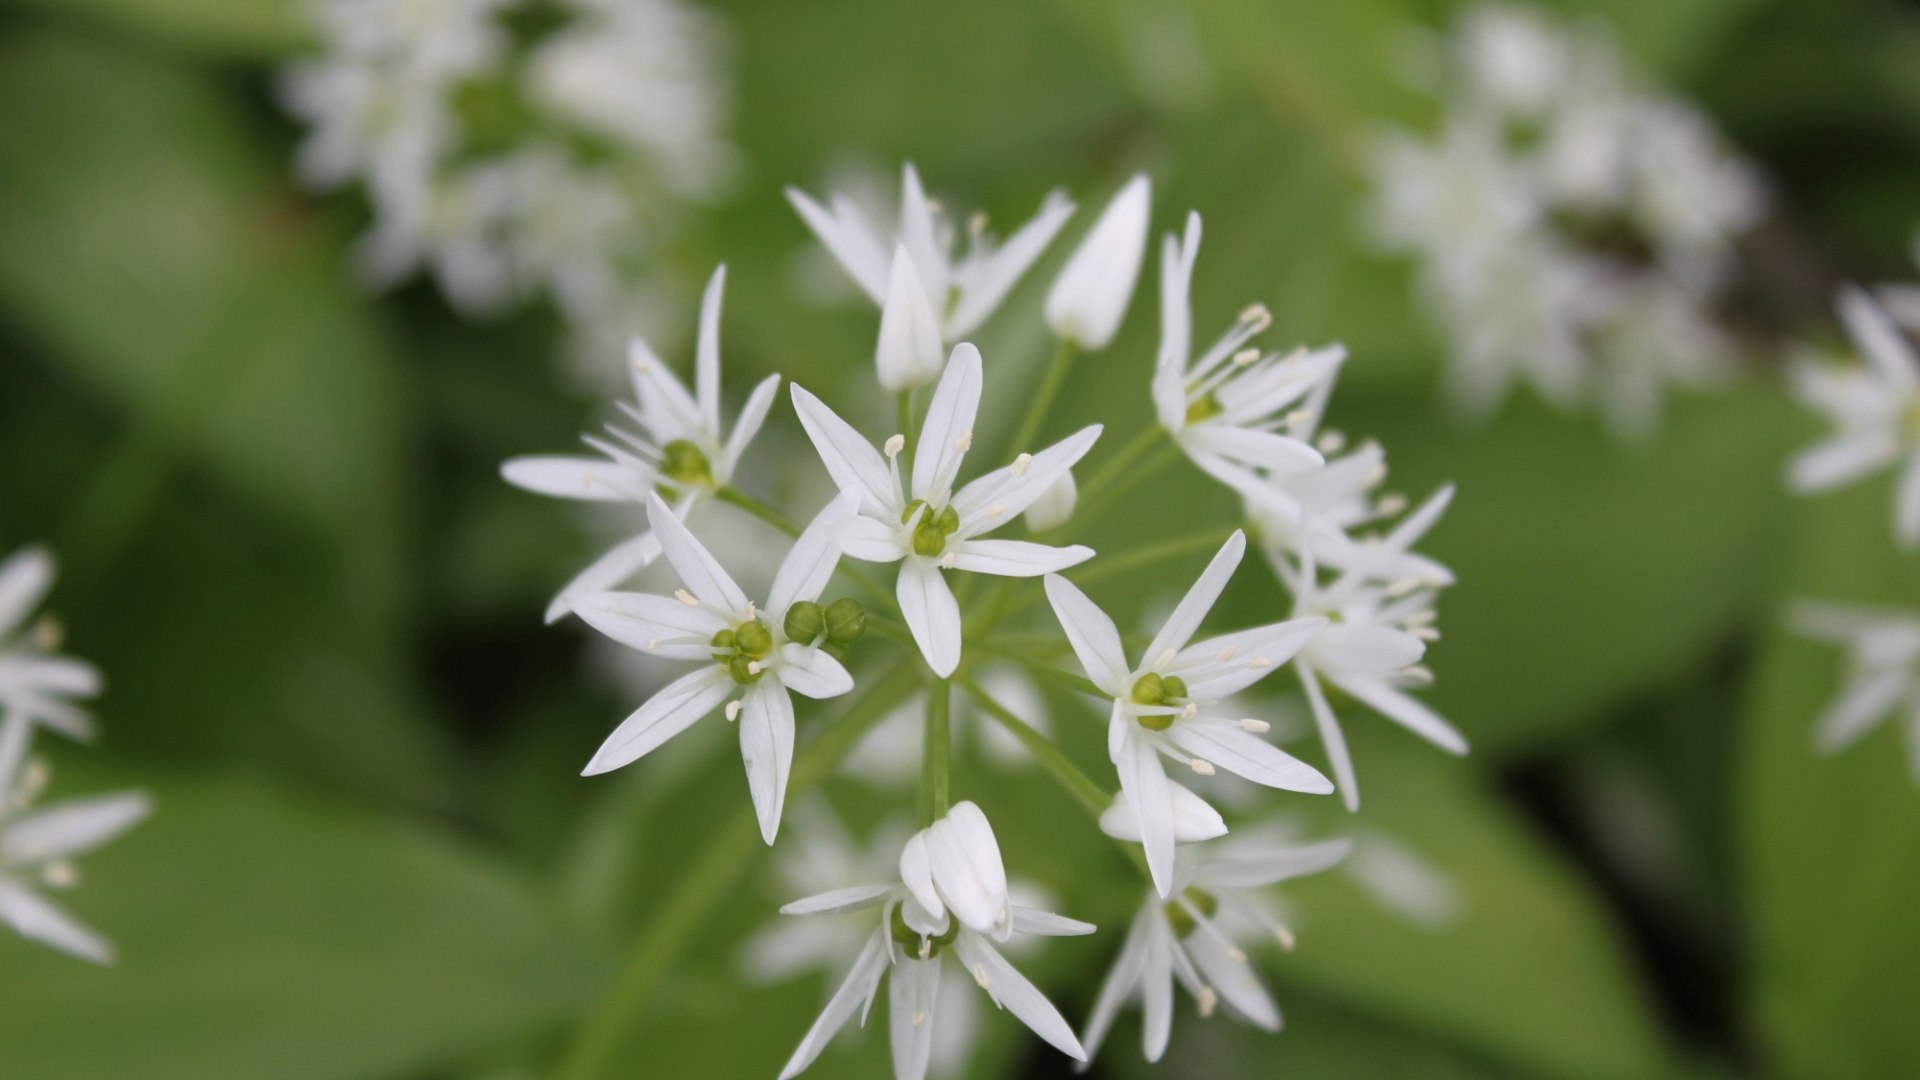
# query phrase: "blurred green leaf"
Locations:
[[1831, 845], [236, 28], [262, 934]]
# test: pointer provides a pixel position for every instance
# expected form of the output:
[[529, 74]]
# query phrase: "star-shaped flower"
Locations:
[[1170, 704], [679, 449], [37, 684], [951, 899], [1883, 671], [921, 522], [760, 653]]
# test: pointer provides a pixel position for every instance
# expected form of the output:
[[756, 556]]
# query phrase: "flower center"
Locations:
[[684, 462], [1156, 689], [742, 649], [1204, 407], [930, 536], [1183, 921], [910, 938]]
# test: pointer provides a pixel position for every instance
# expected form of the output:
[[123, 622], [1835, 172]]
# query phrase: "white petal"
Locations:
[[766, 748], [1407, 711], [1176, 326], [24, 579], [1842, 459], [706, 364], [1248, 756], [1156, 986], [922, 235], [1251, 655], [1254, 449], [747, 424], [1028, 920], [1374, 650], [1119, 983], [571, 477], [1257, 870], [857, 987], [870, 540], [852, 462], [1878, 340], [33, 917], [810, 562], [1095, 640], [1017, 558], [850, 240], [1868, 698], [1089, 297], [839, 901], [982, 293], [1906, 504], [71, 828], [665, 715], [807, 671], [699, 571], [656, 625], [912, 998], [1012, 992], [1332, 739], [1145, 781], [1013, 493], [909, 352], [1055, 505], [1193, 819], [1193, 608], [614, 567], [965, 860], [948, 429], [916, 873], [1239, 987], [931, 613]]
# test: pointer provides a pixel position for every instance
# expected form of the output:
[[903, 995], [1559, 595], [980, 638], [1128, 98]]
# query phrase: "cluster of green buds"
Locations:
[[930, 536], [927, 947], [1156, 689], [684, 463], [744, 650], [835, 626]]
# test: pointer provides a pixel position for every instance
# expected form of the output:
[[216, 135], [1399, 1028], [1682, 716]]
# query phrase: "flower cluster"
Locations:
[[39, 688], [924, 553], [517, 149], [1573, 228]]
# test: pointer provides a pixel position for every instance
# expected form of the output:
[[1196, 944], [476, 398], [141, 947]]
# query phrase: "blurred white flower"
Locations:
[[1089, 297], [1883, 672], [1170, 703], [37, 685], [923, 523], [961, 291], [1874, 409], [1197, 938], [950, 899], [680, 449], [890, 754], [763, 653]]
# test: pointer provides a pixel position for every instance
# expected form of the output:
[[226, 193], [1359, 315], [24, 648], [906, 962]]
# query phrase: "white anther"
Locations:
[[1209, 1000], [949, 560], [926, 948], [1259, 662], [965, 442], [653, 643], [60, 875], [1245, 357], [1203, 766], [933, 204], [1331, 442], [1390, 504], [919, 1018], [1424, 633], [1228, 653], [685, 597], [33, 781], [751, 610], [1420, 618], [1192, 710], [894, 444], [753, 667], [977, 222], [980, 976], [1300, 418], [996, 509], [733, 710], [641, 366], [1165, 659], [1405, 586], [1237, 956], [1421, 676], [1021, 463], [48, 633], [1255, 727], [1285, 937], [1256, 317]]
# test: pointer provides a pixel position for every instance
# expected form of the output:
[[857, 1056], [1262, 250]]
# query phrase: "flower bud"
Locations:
[[753, 640], [804, 623], [1055, 505], [846, 620], [908, 353], [1091, 293]]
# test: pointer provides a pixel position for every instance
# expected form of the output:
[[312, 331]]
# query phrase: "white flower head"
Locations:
[[677, 447], [1226, 408], [954, 863], [758, 652], [921, 521], [37, 685], [1091, 294], [1170, 704], [962, 291], [1883, 672], [1197, 938], [1875, 411]]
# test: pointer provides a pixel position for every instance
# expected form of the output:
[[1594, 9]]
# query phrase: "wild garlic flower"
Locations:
[[679, 449], [1883, 672], [1371, 643], [1562, 204], [950, 900], [1198, 937], [759, 653], [1091, 294], [921, 522], [37, 685], [1226, 409], [1875, 412], [1170, 703], [960, 292]]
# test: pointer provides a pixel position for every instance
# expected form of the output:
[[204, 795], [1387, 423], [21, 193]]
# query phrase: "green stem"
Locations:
[[934, 758], [909, 422], [1077, 783], [1042, 403], [677, 920], [759, 508]]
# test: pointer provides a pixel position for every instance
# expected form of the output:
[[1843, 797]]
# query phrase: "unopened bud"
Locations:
[[1055, 505], [804, 622], [846, 620]]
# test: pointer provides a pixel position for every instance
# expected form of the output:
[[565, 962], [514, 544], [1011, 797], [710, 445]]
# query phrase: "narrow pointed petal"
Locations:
[[747, 424], [1249, 756], [1193, 608], [25, 577], [35, 918], [913, 996], [1145, 781], [1028, 920], [619, 563], [766, 749], [1260, 869], [1095, 640], [1407, 711], [1239, 988], [1878, 340], [810, 562], [1156, 987], [871, 540], [1090, 296], [1254, 449], [1012, 492], [699, 571], [858, 986], [1014, 993], [921, 234], [1220, 667], [706, 365], [981, 295], [852, 461], [1841, 460], [1867, 699], [656, 625], [850, 240], [807, 671], [567, 476], [1332, 739], [931, 613], [1018, 558], [948, 430], [1906, 504], [839, 901], [665, 715], [1119, 984], [1193, 819], [72, 827]]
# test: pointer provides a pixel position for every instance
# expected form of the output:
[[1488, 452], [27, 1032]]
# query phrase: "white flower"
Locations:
[[1371, 644], [921, 522], [37, 846], [1054, 507], [1224, 409], [759, 652], [1321, 508], [1883, 672], [1169, 704], [962, 292], [1195, 938], [1875, 411], [951, 895], [1514, 57], [36, 684], [680, 449], [1091, 294]]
